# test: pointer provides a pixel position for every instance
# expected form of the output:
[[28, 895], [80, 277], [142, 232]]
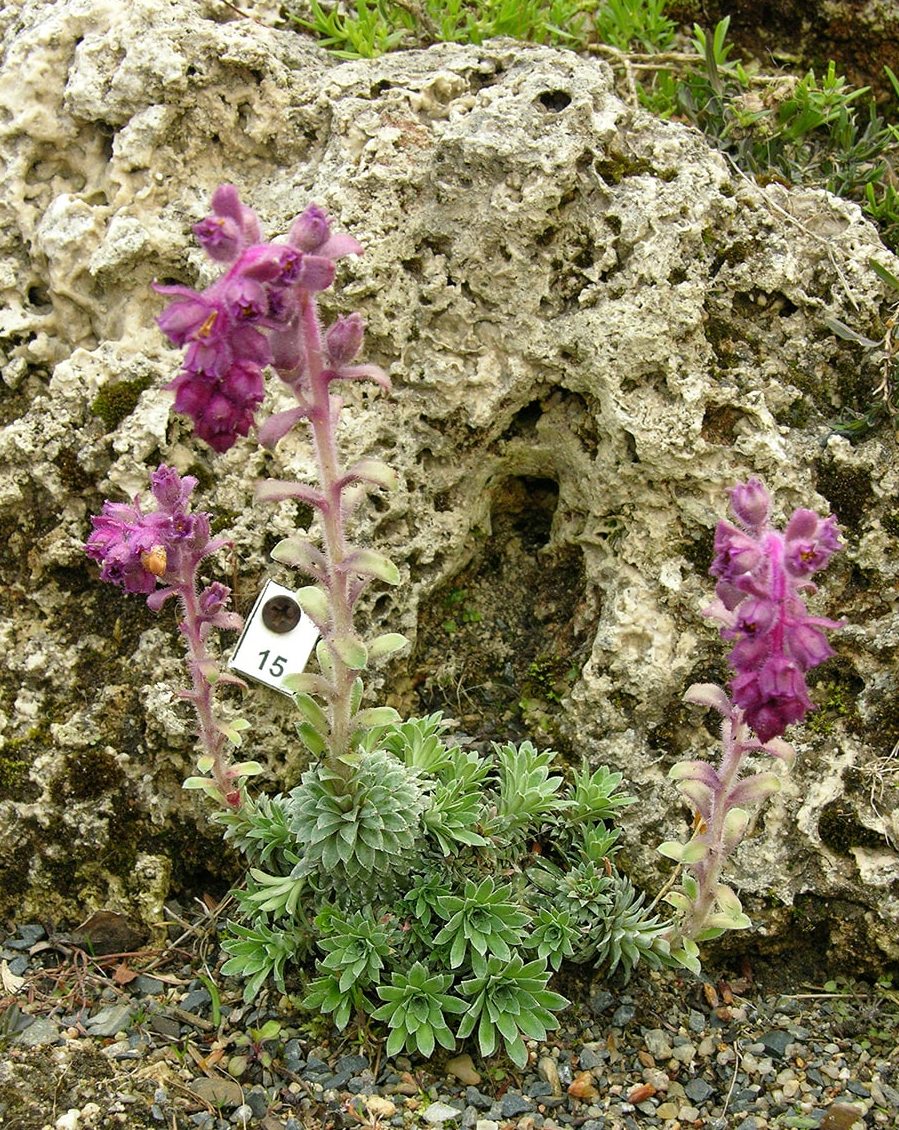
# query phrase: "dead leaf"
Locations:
[[123, 974], [107, 931], [12, 982]]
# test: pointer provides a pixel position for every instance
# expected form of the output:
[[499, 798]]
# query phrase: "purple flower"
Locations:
[[251, 316], [190, 317], [137, 549], [222, 409], [230, 228], [760, 573]]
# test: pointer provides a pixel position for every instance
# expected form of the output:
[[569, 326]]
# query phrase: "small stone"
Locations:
[[109, 1021], [548, 1070], [148, 986], [840, 1116], [31, 932], [242, 1115], [592, 1057], [775, 1043], [583, 1087], [42, 1031], [666, 1111], [195, 1000], [657, 1043], [476, 1098], [684, 1053], [379, 1107], [165, 1026], [688, 1114], [462, 1068], [486, 1124], [698, 1090], [257, 1099], [640, 1093], [440, 1112], [623, 1015], [513, 1104], [293, 1056], [352, 1063], [601, 1002], [695, 1021], [218, 1091], [656, 1077]]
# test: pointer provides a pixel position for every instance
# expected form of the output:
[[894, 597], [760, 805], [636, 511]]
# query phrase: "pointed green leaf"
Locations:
[[386, 645], [205, 763], [368, 563], [312, 739], [325, 660], [247, 769], [299, 553], [376, 716], [233, 729], [314, 602], [849, 334], [884, 273], [356, 695], [486, 1035], [312, 712], [727, 922], [351, 650], [306, 683], [205, 783], [373, 471]]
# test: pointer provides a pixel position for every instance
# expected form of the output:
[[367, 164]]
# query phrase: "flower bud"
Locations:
[[344, 339], [310, 230], [751, 503]]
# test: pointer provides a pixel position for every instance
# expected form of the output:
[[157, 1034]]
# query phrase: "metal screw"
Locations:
[[281, 614]]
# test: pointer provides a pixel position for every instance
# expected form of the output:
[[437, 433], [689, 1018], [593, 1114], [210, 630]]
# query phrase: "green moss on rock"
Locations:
[[117, 401]]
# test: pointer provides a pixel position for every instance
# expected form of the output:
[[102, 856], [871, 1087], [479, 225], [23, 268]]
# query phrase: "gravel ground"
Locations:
[[137, 1040]]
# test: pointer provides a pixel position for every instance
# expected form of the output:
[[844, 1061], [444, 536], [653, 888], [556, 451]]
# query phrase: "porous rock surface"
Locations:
[[575, 301]]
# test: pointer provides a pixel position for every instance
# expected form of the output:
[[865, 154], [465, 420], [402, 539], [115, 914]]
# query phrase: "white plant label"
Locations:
[[277, 638]]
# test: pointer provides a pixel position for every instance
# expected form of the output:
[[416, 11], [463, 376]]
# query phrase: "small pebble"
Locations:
[[513, 1104], [461, 1067], [440, 1112]]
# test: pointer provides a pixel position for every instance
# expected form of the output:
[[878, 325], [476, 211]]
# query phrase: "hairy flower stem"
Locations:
[[734, 735], [322, 414], [199, 662]]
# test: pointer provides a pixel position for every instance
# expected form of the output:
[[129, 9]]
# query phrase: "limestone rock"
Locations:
[[594, 326]]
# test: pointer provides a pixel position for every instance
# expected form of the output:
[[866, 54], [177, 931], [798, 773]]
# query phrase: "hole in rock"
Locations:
[[554, 100], [501, 643], [719, 424], [39, 299]]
